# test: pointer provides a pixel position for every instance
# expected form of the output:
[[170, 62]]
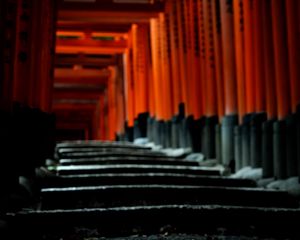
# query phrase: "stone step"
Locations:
[[131, 195], [143, 178], [102, 148], [127, 160], [136, 168], [82, 151], [121, 153], [100, 144], [139, 222]]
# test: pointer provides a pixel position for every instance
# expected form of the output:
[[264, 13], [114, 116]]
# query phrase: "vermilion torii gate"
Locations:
[[234, 61], [219, 76]]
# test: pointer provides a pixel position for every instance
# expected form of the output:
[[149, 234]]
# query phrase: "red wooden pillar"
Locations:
[[151, 85], [190, 68], [21, 81], [259, 57], [41, 53], [29, 52], [165, 70], [239, 56], [120, 98], [218, 50], [228, 57], [269, 69], [293, 34], [249, 56], [188, 54], [112, 103], [139, 73], [195, 9], [135, 71], [281, 58], [211, 107], [129, 87], [156, 68], [8, 14], [149, 73], [140, 48], [182, 51], [194, 55], [175, 61], [202, 46]]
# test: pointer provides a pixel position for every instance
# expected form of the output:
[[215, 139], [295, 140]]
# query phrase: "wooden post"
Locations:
[[42, 52], [151, 90], [202, 66], [29, 52], [269, 67], [216, 18], [175, 69], [249, 56], [239, 56], [21, 81], [135, 71], [182, 50], [260, 102], [228, 57], [195, 9], [190, 68], [211, 109], [120, 98], [229, 121], [156, 68], [8, 14], [293, 35], [281, 58], [111, 100], [165, 83], [281, 162], [129, 87]]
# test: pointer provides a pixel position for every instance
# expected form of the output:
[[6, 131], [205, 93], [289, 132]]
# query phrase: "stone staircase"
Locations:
[[103, 190]]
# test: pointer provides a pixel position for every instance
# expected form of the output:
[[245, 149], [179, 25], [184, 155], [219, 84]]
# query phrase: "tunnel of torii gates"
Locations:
[[219, 76]]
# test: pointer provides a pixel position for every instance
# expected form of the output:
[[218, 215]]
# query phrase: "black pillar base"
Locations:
[[291, 146], [208, 137], [128, 133], [136, 130], [155, 131], [119, 137], [279, 149], [140, 126], [162, 133], [190, 128], [185, 132], [246, 140], [196, 133], [181, 134], [227, 139], [158, 132], [218, 143], [167, 134], [238, 147], [267, 149], [150, 129], [175, 132], [256, 139]]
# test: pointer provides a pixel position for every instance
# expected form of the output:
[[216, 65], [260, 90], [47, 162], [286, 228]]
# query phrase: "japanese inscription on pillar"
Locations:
[[202, 31]]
